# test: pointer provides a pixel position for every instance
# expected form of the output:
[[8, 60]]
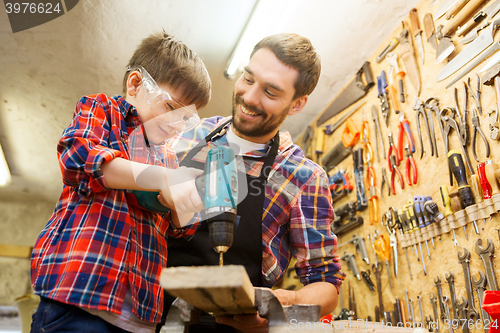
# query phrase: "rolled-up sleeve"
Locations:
[[84, 147], [311, 236]]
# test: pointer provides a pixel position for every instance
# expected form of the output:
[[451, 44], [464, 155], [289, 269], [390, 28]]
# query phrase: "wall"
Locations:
[[432, 172]]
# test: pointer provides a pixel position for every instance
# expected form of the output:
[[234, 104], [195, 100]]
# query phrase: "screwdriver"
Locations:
[[420, 217], [464, 190], [409, 228], [479, 184], [426, 216], [401, 227], [431, 214], [411, 215], [445, 197]]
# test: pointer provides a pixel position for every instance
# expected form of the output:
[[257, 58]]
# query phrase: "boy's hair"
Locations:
[[297, 52], [171, 62]]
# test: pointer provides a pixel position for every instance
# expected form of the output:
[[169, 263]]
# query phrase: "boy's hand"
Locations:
[[250, 323], [181, 193]]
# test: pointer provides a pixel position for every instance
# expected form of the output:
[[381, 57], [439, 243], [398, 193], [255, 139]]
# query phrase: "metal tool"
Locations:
[[464, 260], [437, 283], [433, 301], [486, 253], [470, 52], [417, 208], [480, 286], [432, 104], [392, 45], [463, 125], [450, 278], [398, 75], [419, 108], [386, 182], [348, 212], [477, 129], [351, 264], [445, 197], [411, 177], [410, 301], [404, 130], [383, 250], [444, 299], [429, 30], [359, 244], [417, 32], [389, 220], [354, 91], [495, 59], [410, 316], [489, 51], [475, 32], [378, 133], [445, 45], [382, 95], [410, 213], [489, 12], [422, 317], [450, 123], [463, 312], [408, 56], [377, 270], [493, 125], [394, 171], [362, 202], [476, 96], [367, 279]]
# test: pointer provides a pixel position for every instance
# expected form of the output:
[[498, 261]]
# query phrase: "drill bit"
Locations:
[[221, 259]]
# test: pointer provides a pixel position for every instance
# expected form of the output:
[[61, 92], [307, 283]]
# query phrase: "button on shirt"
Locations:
[[97, 242]]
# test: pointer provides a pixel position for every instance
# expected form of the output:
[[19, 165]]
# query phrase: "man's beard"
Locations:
[[267, 124]]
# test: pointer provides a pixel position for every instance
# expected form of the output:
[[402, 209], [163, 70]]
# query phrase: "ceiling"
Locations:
[[46, 69]]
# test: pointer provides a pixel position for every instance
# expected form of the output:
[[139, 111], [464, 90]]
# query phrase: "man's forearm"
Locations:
[[319, 293]]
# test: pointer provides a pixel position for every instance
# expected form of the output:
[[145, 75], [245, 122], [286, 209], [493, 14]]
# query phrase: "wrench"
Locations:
[[486, 253], [422, 317], [462, 310], [437, 283], [433, 300], [464, 260], [450, 278], [444, 299], [479, 286], [377, 270], [410, 317], [428, 320]]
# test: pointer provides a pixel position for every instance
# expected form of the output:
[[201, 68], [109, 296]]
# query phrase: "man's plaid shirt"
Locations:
[[97, 241], [297, 210]]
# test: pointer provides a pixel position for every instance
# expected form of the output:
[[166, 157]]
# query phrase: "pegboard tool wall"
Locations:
[[432, 173]]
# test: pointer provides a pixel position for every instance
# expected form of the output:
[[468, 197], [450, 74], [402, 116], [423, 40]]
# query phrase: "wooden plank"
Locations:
[[213, 289], [16, 251]]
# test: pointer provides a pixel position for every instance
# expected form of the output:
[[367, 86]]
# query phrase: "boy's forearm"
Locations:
[[120, 173]]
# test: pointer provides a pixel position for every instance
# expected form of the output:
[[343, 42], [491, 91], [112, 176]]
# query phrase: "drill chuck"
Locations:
[[221, 230]]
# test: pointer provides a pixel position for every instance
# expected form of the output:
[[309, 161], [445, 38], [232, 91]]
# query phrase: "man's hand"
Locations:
[[251, 323]]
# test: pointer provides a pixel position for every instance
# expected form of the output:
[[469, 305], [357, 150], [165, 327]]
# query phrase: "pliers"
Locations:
[[385, 181], [432, 103], [404, 127], [394, 170], [410, 164], [477, 128], [463, 125], [419, 107], [477, 96], [392, 148]]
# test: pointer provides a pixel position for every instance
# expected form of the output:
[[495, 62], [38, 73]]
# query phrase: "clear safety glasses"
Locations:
[[168, 110]]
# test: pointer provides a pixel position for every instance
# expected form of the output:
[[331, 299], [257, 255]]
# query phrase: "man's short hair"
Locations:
[[297, 52], [171, 62]]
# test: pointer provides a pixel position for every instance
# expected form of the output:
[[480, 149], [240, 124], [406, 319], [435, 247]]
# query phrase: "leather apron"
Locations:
[[247, 240]]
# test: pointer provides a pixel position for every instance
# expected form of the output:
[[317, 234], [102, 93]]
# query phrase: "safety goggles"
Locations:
[[164, 107]]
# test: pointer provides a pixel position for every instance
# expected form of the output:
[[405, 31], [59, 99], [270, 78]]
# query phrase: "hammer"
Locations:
[[491, 77]]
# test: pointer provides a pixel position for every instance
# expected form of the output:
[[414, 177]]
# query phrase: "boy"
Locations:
[[97, 263]]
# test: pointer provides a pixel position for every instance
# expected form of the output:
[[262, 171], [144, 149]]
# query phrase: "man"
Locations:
[[288, 193]]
